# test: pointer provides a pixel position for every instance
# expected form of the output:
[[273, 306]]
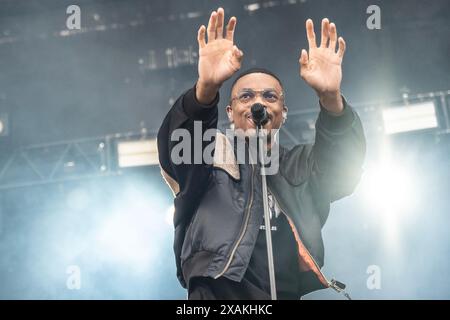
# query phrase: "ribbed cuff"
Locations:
[[336, 122], [197, 111]]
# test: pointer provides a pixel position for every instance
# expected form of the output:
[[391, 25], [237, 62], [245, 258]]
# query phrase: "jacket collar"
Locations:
[[224, 157]]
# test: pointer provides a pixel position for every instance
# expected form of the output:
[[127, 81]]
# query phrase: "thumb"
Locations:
[[303, 58], [237, 54], [236, 57], [303, 62]]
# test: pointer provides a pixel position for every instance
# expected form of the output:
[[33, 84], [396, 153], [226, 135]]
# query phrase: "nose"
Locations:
[[259, 99]]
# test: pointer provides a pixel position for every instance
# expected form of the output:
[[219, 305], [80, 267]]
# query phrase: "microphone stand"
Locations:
[[260, 150]]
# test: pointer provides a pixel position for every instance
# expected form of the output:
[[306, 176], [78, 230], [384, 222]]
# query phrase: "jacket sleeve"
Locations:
[[338, 153], [188, 179]]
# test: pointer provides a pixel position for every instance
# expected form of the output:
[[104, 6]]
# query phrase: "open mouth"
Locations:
[[252, 123], [250, 120]]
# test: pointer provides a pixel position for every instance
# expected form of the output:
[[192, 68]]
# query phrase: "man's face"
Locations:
[[267, 89]]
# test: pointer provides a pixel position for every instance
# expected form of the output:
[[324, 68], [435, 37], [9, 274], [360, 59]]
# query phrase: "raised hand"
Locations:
[[219, 58], [321, 67]]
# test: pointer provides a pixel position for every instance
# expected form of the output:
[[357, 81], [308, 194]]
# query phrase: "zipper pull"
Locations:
[[339, 287]]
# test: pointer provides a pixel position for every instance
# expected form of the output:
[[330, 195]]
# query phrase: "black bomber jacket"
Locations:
[[218, 208]]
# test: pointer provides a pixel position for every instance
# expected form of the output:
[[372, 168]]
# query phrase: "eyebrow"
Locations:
[[251, 89]]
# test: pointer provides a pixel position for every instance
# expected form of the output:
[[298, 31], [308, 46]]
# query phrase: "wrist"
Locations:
[[332, 101], [205, 92]]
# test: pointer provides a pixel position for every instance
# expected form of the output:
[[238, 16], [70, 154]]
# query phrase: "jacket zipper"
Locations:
[[328, 283], [333, 284], [245, 227]]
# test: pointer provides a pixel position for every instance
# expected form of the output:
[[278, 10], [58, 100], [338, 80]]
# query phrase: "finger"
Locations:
[[201, 36], [219, 26], [310, 34], [230, 28], [212, 26], [341, 47], [325, 32], [303, 62], [333, 37], [303, 58]]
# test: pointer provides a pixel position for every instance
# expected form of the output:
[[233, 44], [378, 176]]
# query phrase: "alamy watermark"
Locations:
[[73, 22], [200, 148], [374, 20], [73, 281], [374, 280]]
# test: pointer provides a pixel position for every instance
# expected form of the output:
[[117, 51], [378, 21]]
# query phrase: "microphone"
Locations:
[[259, 114]]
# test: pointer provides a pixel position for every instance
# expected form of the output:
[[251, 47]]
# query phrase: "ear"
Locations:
[[229, 111], [285, 112]]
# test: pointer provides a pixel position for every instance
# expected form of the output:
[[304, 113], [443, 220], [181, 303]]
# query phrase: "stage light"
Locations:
[[390, 187], [252, 6], [137, 153], [390, 198], [193, 15], [411, 117]]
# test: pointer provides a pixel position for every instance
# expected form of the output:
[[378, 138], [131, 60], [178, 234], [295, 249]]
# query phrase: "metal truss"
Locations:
[[54, 162], [96, 157]]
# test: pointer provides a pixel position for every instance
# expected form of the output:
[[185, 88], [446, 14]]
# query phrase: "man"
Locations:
[[220, 245]]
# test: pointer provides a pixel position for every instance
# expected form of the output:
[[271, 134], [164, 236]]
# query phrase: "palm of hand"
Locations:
[[323, 71], [216, 61], [219, 59], [321, 68]]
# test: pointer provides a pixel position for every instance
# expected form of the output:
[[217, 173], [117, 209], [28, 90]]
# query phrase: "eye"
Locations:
[[270, 96], [246, 96]]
